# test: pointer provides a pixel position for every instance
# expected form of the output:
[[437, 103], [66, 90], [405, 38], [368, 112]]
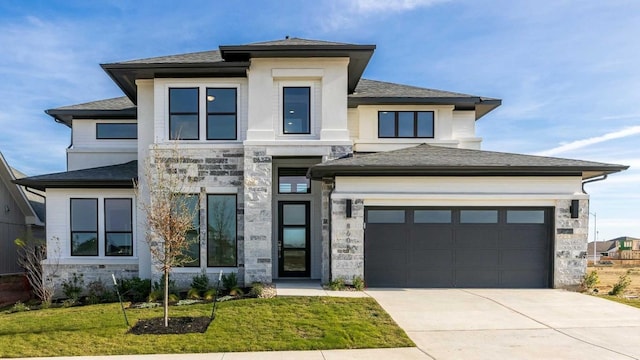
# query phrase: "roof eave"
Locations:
[[125, 75], [481, 106], [66, 116], [84, 184], [320, 172]]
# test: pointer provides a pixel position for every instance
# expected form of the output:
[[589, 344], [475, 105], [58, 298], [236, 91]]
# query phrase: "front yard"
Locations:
[[285, 323]]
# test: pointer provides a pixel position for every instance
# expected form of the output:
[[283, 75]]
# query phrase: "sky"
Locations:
[[567, 72]]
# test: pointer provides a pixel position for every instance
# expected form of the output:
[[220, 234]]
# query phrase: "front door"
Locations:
[[293, 239]]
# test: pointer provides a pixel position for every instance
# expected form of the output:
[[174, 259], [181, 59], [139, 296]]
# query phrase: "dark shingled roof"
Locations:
[[112, 176], [201, 57], [115, 108], [297, 42], [431, 160], [373, 92]]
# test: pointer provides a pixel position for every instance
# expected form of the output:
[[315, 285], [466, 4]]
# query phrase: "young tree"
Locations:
[[32, 252], [161, 197]]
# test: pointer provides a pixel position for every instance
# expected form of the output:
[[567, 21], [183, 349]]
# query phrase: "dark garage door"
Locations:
[[458, 247]]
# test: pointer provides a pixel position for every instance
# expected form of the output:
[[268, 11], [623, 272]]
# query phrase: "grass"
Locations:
[[290, 323], [622, 300]]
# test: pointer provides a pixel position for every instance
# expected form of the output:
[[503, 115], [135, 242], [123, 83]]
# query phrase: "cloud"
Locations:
[[578, 144], [378, 6]]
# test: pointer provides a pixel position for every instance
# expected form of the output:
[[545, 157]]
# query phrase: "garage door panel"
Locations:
[[434, 258], [478, 258], [435, 278], [475, 237], [431, 237], [524, 237], [524, 279], [523, 259], [474, 278]]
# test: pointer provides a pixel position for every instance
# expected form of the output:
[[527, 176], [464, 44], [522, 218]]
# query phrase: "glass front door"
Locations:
[[293, 238]]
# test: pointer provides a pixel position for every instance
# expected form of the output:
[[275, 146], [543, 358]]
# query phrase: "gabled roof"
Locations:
[[113, 176], [602, 246], [373, 92], [35, 197], [7, 178], [431, 160], [115, 108], [201, 57]]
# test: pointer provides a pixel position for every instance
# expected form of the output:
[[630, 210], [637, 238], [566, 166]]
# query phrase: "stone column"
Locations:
[[257, 215], [570, 252], [347, 240]]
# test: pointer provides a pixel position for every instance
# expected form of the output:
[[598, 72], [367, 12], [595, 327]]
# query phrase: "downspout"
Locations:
[[333, 187], [603, 177]]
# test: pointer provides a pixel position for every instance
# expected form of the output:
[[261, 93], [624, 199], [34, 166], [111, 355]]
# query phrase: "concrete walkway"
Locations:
[[513, 324], [311, 288]]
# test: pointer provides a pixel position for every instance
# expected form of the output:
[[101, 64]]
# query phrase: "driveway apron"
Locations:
[[513, 324]]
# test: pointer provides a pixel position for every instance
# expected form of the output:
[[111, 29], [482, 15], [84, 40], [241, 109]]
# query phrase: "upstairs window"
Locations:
[[116, 131], [183, 114], [221, 114], [405, 124], [84, 227], [296, 109]]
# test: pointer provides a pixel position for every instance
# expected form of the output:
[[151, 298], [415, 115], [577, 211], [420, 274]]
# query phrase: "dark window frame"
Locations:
[[415, 124], [97, 232], [197, 262], [293, 171], [185, 113], [106, 232], [235, 213], [284, 110], [98, 137], [235, 113]]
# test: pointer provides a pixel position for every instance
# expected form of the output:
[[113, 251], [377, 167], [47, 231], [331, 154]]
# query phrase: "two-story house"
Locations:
[[318, 173]]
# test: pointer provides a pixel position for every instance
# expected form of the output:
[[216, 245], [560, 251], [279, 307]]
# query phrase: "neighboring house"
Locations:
[[628, 248], [321, 174], [17, 216], [607, 249]]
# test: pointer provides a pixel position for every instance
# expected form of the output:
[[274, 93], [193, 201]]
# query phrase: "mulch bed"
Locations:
[[178, 325]]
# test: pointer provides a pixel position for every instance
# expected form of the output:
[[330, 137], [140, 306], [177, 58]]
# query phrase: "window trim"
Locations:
[[97, 231], [235, 195], [309, 120], [415, 124], [197, 88], [235, 113], [104, 204], [98, 137]]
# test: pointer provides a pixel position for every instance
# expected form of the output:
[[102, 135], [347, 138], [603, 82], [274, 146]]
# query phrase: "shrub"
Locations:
[[72, 288], [623, 283], [173, 298], [209, 295], [200, 282], [193, 294], [337, 284], [155, 295], [134, 289], [18, 307], [590, 280], [229, 281], [160, 285], [358, 283], [97, 292], [256, 290]]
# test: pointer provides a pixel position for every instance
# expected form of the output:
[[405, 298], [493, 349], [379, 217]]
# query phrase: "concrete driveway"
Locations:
[[513, 324]]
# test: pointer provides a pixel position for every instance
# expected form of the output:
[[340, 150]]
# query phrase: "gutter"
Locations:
[[603, 177]]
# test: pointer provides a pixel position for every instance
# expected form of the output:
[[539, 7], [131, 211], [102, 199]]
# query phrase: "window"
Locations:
[[478, 216], [116, 131], [191, 204], [432, 216], [84, 227], [221, 230], [405, 124], [385, 216], [296, 110], [221, 114], [118, 229], [183, 114], [525, 216], [292, 181]]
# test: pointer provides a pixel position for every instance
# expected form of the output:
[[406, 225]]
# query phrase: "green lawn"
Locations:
[[289, 323], [630, 302]]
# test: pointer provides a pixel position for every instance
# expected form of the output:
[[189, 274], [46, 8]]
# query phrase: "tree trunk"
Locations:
[[166, 298]]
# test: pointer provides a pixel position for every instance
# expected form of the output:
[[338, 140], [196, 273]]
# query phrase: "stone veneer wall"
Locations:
[[570, 251], [94, 272], [347, 240], [258, 169], [212, 168]]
